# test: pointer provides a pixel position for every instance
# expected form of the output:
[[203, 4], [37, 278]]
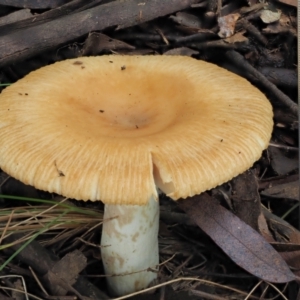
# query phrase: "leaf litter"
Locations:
[[216, 248]]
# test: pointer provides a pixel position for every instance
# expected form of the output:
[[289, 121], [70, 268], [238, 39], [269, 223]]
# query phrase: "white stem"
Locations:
[[129, 245]]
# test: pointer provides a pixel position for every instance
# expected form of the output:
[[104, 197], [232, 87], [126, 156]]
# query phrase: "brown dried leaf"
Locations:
[[237, 38], [283, 231], [239, 241], [280, 163], [98, 42], [288, 190], [65, 272], [263, 228], [227, 25]]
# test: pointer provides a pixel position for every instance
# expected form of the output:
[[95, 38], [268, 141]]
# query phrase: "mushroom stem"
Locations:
[[129, 246]]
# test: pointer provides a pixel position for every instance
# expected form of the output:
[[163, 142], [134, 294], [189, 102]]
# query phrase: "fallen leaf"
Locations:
[[240, 242], [280, 163], [288, 190], [98, 42], [269, 16], [283, 231], [237, 38], [227, 25], [64, 273]]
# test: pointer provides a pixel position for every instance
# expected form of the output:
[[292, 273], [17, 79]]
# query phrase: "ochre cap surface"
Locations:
[[112, 128]]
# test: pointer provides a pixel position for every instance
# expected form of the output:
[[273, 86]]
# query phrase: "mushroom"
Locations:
[[116, 128]]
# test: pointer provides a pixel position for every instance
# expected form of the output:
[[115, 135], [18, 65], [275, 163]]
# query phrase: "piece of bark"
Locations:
[[31, 41], [245, 198], [41, 260], [33, 4], [64, 273]]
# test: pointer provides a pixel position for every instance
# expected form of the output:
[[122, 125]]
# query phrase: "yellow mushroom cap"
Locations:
[[112, 128]]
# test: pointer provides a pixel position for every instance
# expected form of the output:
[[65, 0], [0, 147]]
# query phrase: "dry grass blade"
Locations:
[[20, 291], [23, 283], [184, 279], [31, 219]]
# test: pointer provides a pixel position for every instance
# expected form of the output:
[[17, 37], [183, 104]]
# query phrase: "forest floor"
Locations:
[[50, 244]]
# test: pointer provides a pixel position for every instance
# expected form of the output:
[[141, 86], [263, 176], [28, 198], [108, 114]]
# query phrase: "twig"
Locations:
[[28, 42], [204, 295], [253, 31], [287, 148], [253, 74]]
